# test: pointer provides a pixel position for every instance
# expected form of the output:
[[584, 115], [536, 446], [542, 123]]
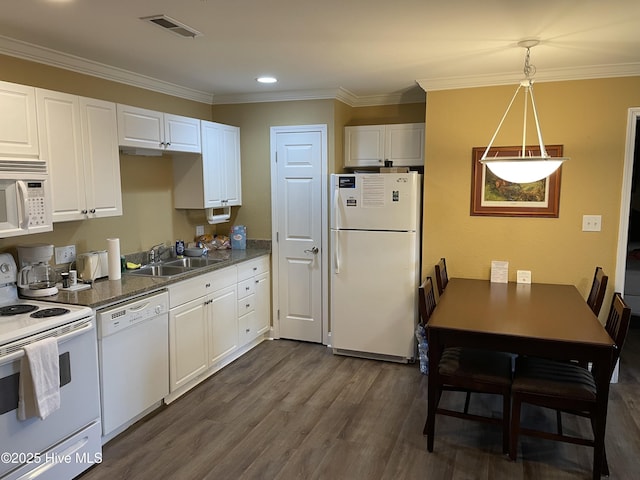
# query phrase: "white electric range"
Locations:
[[66, 442]]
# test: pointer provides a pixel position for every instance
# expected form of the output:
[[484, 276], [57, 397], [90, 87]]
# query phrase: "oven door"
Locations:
[[26, 444]]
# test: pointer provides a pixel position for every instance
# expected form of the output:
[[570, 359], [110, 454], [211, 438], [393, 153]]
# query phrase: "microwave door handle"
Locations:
[[23, 209]]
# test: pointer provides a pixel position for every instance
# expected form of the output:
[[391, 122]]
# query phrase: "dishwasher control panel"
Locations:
[[123, 315]]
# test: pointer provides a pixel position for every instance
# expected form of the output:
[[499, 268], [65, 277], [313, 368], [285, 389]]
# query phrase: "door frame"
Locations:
[[625, 200], [324, 250]]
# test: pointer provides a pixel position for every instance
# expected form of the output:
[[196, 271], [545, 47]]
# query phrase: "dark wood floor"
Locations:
[[290, 410]]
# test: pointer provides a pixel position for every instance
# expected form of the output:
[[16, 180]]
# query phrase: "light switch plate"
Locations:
[[199, 230], [523, 276], [591, 223]]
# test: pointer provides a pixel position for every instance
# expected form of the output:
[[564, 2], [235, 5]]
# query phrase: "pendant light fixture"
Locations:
[[527, 167]]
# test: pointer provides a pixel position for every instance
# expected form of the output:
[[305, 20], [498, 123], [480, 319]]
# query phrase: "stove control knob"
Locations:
[[5, 268]]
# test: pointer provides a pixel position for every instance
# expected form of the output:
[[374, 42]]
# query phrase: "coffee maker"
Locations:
[[36, 278]]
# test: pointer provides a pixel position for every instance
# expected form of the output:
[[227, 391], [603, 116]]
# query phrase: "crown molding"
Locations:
[[47, 56], [550, 75], [36, 53]]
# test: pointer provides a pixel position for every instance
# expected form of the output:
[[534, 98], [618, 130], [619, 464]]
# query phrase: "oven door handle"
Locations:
[[62, 338]]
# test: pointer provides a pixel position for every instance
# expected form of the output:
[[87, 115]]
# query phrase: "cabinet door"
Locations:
[[181, 134], [187, 342], [213, 176], [18, 121], [61, 146], [220, 166], [223, 323], [140, 128], [101, 157], [231, 162], [364, 146], [404, 144], [262, 303]]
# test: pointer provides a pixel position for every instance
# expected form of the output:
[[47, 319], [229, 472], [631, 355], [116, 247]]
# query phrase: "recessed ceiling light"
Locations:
[[267, 79]]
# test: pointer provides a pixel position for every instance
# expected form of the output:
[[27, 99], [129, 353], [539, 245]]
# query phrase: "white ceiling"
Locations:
[[367, 51]]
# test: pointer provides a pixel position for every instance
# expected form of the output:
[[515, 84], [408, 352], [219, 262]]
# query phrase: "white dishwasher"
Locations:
[[133, 346]]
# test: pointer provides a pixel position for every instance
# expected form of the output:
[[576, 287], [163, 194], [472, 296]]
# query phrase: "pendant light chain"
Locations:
[[529, 70]]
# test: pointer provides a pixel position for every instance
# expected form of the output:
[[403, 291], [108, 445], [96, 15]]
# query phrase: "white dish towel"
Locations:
[[39, 388]]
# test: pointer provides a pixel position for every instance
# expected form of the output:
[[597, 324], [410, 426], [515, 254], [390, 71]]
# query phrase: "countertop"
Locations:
[[105, 292]]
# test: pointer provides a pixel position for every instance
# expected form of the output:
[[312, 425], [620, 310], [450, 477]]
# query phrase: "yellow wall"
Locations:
[[590, 119]]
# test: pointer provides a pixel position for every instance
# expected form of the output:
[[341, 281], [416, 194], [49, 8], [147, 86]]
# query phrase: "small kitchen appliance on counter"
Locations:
[[37, 278]]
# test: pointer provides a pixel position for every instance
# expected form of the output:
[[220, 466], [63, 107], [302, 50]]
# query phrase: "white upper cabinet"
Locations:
[[372, 145], [148, 129], [79, 141], [18, 121], [212, 181]]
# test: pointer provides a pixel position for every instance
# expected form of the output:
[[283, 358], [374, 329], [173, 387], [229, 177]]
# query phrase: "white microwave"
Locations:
[[25, 207]]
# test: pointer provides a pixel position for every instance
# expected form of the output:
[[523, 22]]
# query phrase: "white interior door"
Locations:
[[299, 162]]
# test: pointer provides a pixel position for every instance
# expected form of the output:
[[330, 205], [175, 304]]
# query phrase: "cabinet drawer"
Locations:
[[246, 287], [192, 288], [246, 305], [253, 267]]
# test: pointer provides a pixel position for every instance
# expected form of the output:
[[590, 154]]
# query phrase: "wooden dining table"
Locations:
[[545, 320]]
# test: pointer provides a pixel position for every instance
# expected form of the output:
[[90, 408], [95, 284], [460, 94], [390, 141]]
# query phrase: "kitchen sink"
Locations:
[[159, 270], [193, 262]]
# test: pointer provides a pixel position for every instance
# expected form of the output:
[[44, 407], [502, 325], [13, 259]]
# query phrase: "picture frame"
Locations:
[[492, 196]]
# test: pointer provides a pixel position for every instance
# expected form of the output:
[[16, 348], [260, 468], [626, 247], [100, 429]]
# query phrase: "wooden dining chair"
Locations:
[[598, 289], [469, 370], [563, 386], [442, 278]]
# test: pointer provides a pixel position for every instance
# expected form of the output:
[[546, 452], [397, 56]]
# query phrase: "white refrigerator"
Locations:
[[375, 264]]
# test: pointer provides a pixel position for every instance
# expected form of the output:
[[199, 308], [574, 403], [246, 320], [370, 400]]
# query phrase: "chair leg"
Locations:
[[466, 402], [515, 427], [559, 421], [506, 416]]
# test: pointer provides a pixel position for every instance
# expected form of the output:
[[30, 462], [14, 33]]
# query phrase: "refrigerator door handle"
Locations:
[[336, 252]]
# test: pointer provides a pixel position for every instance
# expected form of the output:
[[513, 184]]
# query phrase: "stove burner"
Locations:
[[16, 309], [49, 312]]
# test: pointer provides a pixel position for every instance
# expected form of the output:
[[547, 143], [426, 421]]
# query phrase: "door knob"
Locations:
[[313, 250]]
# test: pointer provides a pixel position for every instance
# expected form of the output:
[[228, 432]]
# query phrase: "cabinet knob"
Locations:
[[84, 212], [207, 285], [247, 288], [93, 210]]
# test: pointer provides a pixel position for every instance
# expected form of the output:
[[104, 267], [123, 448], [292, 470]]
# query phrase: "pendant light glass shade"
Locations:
[[525, 168], [519, 170]]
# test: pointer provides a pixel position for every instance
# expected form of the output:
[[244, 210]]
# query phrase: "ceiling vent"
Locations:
[[172, 26]]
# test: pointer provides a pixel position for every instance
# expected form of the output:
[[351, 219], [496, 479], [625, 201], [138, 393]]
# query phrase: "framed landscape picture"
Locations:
[[493, 196]]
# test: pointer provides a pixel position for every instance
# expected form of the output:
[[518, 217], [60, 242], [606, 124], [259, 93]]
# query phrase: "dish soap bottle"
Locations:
[[179, 248]]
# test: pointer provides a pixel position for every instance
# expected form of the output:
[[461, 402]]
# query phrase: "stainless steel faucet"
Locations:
[[156, 251]]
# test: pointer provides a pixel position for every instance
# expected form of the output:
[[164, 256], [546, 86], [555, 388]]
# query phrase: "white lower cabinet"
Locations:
[[214, 319], [187, 342], [223, 324], [254, 293]]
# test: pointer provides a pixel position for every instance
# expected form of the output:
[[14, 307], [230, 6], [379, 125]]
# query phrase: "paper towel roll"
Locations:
[[113, 255]]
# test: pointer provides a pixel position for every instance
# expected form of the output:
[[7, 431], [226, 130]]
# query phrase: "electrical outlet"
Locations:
[[65, 254], [591, 223], [199, 230]]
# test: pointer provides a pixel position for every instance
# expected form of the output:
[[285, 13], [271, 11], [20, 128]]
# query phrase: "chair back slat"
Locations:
[[426, 299], [617, 324], [442, 277], [598, 289]]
